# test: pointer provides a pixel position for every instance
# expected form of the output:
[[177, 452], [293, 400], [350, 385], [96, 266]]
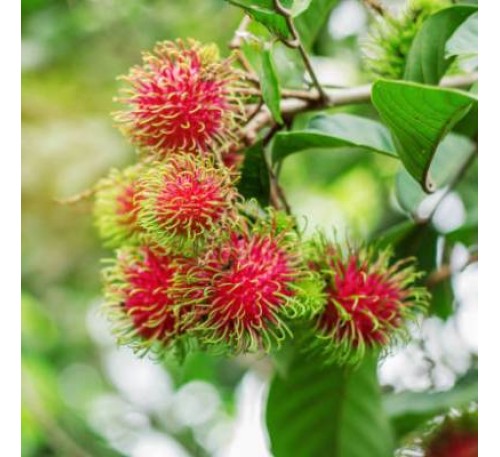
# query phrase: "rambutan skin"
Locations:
[[186, 199], [140, 298], [455, 436], [254, 284], [183, 97], [369, 300], [456, 445], [116, 207]]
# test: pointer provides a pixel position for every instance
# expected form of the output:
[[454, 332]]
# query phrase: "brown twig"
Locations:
[[445, 272], [336, 97], [84, 195], [375, 6], [277, 196], [235, 45], [296, 43]]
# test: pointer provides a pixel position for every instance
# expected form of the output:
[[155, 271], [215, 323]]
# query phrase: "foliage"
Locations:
[[269, 138]]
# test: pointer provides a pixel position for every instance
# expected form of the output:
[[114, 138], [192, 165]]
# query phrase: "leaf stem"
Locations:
[[445, 271], [297, 44], [235, 45]]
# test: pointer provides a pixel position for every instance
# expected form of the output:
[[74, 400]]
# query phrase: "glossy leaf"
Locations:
[[335, 132], [273, 21], [254, 182], [419, 117], [427, 61], [270, 85], [299, 6], [312, 20], [318, 410], [452, 154]]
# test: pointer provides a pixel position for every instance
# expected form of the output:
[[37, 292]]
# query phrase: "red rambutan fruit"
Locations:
[[253, 282], [182, 98], [185, 199], [455, 444], [455, 436], [116, 207], [369, 300], [141, 302]]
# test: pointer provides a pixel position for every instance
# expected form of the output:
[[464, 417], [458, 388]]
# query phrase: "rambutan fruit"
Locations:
[[141, 302], [183, 97], [391, 37], [254, 284], [455, 435], [116, 207], [186, 199], [369, 300]]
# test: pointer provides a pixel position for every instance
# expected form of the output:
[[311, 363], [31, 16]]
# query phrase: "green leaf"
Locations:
[[443, 300], [254, 182], [421, 241], [452, 154], [295, 6], [318, 410], [419, 117], [335, 132], [299, 6], [410, 410], [427, 61], [464, 42], [467, 235], [270, 85], [311, 21], [273, 21]]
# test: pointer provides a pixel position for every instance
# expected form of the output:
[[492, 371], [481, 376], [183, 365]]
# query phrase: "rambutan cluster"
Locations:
[[197, 265]]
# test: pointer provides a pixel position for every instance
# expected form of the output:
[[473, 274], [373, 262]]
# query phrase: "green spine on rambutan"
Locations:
[[391, 37], [250, 286], [370, 301], [116, 207], [186, 199]]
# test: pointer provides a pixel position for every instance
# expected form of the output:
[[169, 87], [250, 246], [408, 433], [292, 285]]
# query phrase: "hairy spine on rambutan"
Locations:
[[141, 300], [186, 199], [369, 300], [116, 207], [254, 283], [183, 97]]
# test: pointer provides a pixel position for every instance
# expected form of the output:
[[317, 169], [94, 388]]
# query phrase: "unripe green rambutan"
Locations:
[[369, 300], [141, 300], [116, 207], [185, 200], [254, 283], [390, 38], [183, 97]]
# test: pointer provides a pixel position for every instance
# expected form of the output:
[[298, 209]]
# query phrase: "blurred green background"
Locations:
[[81, 395]]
